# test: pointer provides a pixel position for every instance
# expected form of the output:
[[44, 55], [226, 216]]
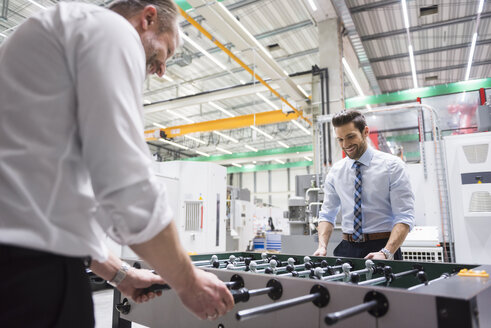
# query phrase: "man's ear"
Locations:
[[148, 17], [366, 131]]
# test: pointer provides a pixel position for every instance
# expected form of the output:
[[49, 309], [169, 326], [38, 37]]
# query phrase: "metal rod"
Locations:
[[377, 281], [332, 318], [442, 277], [256, 311], [260, 291]]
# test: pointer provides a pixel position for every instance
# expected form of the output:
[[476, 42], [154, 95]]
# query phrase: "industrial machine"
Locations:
[[295, 291], [469, 177]]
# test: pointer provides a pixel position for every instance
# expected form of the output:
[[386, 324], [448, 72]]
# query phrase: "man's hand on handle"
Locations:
[[321, 251]]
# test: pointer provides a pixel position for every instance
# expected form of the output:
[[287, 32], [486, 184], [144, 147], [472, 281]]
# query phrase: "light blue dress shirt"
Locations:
[[387, 198]]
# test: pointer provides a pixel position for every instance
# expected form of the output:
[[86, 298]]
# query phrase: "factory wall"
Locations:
[[271, 187]]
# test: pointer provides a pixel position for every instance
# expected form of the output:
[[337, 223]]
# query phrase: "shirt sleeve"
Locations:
[[108, 68], [331, 203], [401, 195]]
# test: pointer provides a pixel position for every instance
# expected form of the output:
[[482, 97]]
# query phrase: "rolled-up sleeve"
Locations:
[[331, 203], [109, 70], [401, 195]]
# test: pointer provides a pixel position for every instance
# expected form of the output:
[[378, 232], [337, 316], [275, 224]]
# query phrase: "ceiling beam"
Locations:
[[371, 6], [229, 123], [252, 154], [431, 70], [429, 51], [418, 28], [269, 167]]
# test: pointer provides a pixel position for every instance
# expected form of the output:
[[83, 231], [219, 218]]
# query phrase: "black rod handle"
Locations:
[[155, 287], [332, 318], [256, 311]]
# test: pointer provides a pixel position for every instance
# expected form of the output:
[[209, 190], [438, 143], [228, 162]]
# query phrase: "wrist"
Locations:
[[388, 254], [120, 274]]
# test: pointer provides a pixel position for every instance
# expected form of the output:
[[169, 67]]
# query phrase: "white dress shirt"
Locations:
[[386, 197], [73, 158]]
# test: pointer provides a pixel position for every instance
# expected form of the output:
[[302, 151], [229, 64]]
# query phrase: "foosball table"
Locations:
[[279, 290]]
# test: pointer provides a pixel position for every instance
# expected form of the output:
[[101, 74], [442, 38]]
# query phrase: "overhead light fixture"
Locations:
[[226, 136], [262, 132], [223, 150], [307, 158], [283, 144], [203, 51], [404, 13], [266, 100], [37, 4], [195, 139], [251, 148], [180, 116], [249, 166], [3, 35], [300, 126], [242, 81], [312, 5], [413, 67], [173, 143], [223, 110], [480, 7], [279, 161], [159, 125], [352, 77], [302, 90], [471, 56], [202, 153], [237, 165], [165, 77]]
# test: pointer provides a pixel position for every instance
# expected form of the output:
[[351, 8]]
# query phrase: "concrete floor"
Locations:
[[103, 302]]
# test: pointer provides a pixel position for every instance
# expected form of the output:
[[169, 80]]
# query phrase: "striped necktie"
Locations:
[[357, 229]]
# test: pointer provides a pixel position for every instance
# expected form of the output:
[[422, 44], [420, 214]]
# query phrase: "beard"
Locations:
[[359, 150]]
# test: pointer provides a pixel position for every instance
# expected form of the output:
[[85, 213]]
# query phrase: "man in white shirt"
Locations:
[[74, 165], [372, 190]]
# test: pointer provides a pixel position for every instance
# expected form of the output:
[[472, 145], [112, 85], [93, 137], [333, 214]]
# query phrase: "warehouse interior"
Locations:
[[241, 135]]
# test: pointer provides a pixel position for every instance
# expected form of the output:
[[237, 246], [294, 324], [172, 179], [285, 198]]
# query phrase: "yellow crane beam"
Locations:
[[230, 123]]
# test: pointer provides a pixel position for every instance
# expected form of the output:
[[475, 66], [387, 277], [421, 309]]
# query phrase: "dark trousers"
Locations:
[[360, 250], [41, 289]]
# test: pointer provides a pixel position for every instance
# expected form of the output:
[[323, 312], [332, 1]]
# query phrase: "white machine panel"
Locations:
[[470, 202]]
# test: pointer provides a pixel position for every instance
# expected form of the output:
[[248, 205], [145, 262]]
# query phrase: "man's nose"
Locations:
[[161, 70]]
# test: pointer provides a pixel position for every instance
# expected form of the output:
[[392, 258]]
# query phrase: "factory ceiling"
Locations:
[[278, 41]]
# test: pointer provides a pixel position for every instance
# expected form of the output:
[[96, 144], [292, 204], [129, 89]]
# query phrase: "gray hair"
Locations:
[[166, 11]]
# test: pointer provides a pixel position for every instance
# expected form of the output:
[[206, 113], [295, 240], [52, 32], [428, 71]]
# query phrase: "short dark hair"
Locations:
[[166, 11], [346, 116]]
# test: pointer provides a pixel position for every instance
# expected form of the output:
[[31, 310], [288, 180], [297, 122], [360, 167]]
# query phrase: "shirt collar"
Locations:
[[365, 159]]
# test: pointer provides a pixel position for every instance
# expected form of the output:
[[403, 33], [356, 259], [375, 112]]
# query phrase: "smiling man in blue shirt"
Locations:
[[372, 190]]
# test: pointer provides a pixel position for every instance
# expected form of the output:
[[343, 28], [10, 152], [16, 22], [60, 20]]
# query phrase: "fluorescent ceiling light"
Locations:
[[195, 139], [242, 81], [165, 77], [159, 125], [226, 136], [251, 148], [235, 164], [471, 56], [301, 127], [223, 150], [352, 77], [283, 144], [413, 67], [223, 110], [173, 143], [37, 4], [266, 100], [312, 5], [307, 158], [404, 13], [202, 153], [302, 90], [249, 166], [262, 132], [286, 73], [279, 161], [3, 35], [480, 7], [180, 116], [203, 51]]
